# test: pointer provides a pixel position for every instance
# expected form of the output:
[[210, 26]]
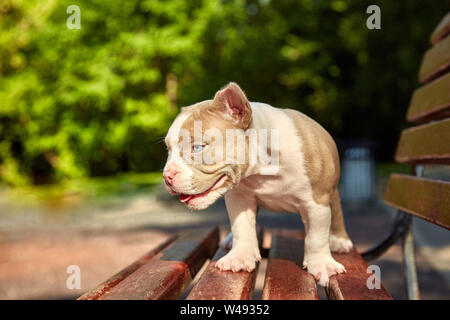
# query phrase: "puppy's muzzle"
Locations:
[[169, 175]]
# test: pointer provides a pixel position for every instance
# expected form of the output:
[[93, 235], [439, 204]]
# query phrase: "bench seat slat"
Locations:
[[431, 102], [169, 272], [102, 288], [215, 284], [285, 278], [442, 30], [424, 198], [428, 143], [352, 285], [436, 61]]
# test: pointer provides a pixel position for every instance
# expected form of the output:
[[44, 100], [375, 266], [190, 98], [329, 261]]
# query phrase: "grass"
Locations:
[[384, 169], [87, 189]]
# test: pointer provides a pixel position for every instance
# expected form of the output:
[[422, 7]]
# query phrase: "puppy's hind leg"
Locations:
[[339, 240], [318, 257]]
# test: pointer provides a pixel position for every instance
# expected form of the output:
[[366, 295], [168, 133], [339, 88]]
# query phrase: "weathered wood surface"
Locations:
[[285, 278], [431, 102], [436, 61], [215, 284], [104, 287], [424, 198], [427, 143], [169, 272], [352, 285], [442, 30]]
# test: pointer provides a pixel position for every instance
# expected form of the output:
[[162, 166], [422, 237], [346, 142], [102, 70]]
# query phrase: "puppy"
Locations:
[[259, 156]]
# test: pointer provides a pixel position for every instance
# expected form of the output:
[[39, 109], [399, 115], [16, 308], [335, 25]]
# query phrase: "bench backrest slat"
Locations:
[[431, 102], [436, 61], [425, 198], [442, 30], [428, 143]]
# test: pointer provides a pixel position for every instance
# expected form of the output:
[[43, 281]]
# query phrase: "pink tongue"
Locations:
[[185, 197]]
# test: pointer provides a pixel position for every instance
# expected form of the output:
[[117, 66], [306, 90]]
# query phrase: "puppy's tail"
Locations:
[[337, 217]]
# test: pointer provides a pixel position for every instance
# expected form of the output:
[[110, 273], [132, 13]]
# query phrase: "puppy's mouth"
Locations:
[[186, 198]]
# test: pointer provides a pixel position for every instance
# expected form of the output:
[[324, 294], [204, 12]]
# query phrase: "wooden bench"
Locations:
[[421, 146], [167, 271]]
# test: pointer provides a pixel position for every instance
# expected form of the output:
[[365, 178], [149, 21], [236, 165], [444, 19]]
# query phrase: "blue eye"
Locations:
[[198, 148]]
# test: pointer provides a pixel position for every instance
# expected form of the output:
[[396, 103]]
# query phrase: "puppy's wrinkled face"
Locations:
[[207, 148]]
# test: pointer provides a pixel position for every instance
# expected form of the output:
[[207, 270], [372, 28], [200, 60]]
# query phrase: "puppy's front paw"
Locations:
[[322, 267], [340, 244], [238, 259]]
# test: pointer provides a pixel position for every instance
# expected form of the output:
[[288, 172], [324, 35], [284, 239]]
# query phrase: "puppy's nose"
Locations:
[[169, 173]]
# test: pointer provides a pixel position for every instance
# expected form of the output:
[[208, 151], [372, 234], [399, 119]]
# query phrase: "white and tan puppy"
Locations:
[[222, 146]]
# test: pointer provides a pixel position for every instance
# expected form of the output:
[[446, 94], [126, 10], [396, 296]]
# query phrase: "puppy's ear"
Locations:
[[235, 104]]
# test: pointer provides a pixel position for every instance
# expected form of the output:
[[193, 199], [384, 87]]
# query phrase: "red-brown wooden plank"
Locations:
[[285, 278], [169, 272], [215, 284], [436, 61], [95, 293], [442, 30], [352, 285], [428, 143], [431, 102], [425, 198]]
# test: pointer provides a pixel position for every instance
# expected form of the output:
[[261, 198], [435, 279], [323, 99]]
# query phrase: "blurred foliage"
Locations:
[[109, 191], [95, 101]]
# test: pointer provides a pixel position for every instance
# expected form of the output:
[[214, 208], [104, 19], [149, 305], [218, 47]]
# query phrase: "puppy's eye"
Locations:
[[198, 147]]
